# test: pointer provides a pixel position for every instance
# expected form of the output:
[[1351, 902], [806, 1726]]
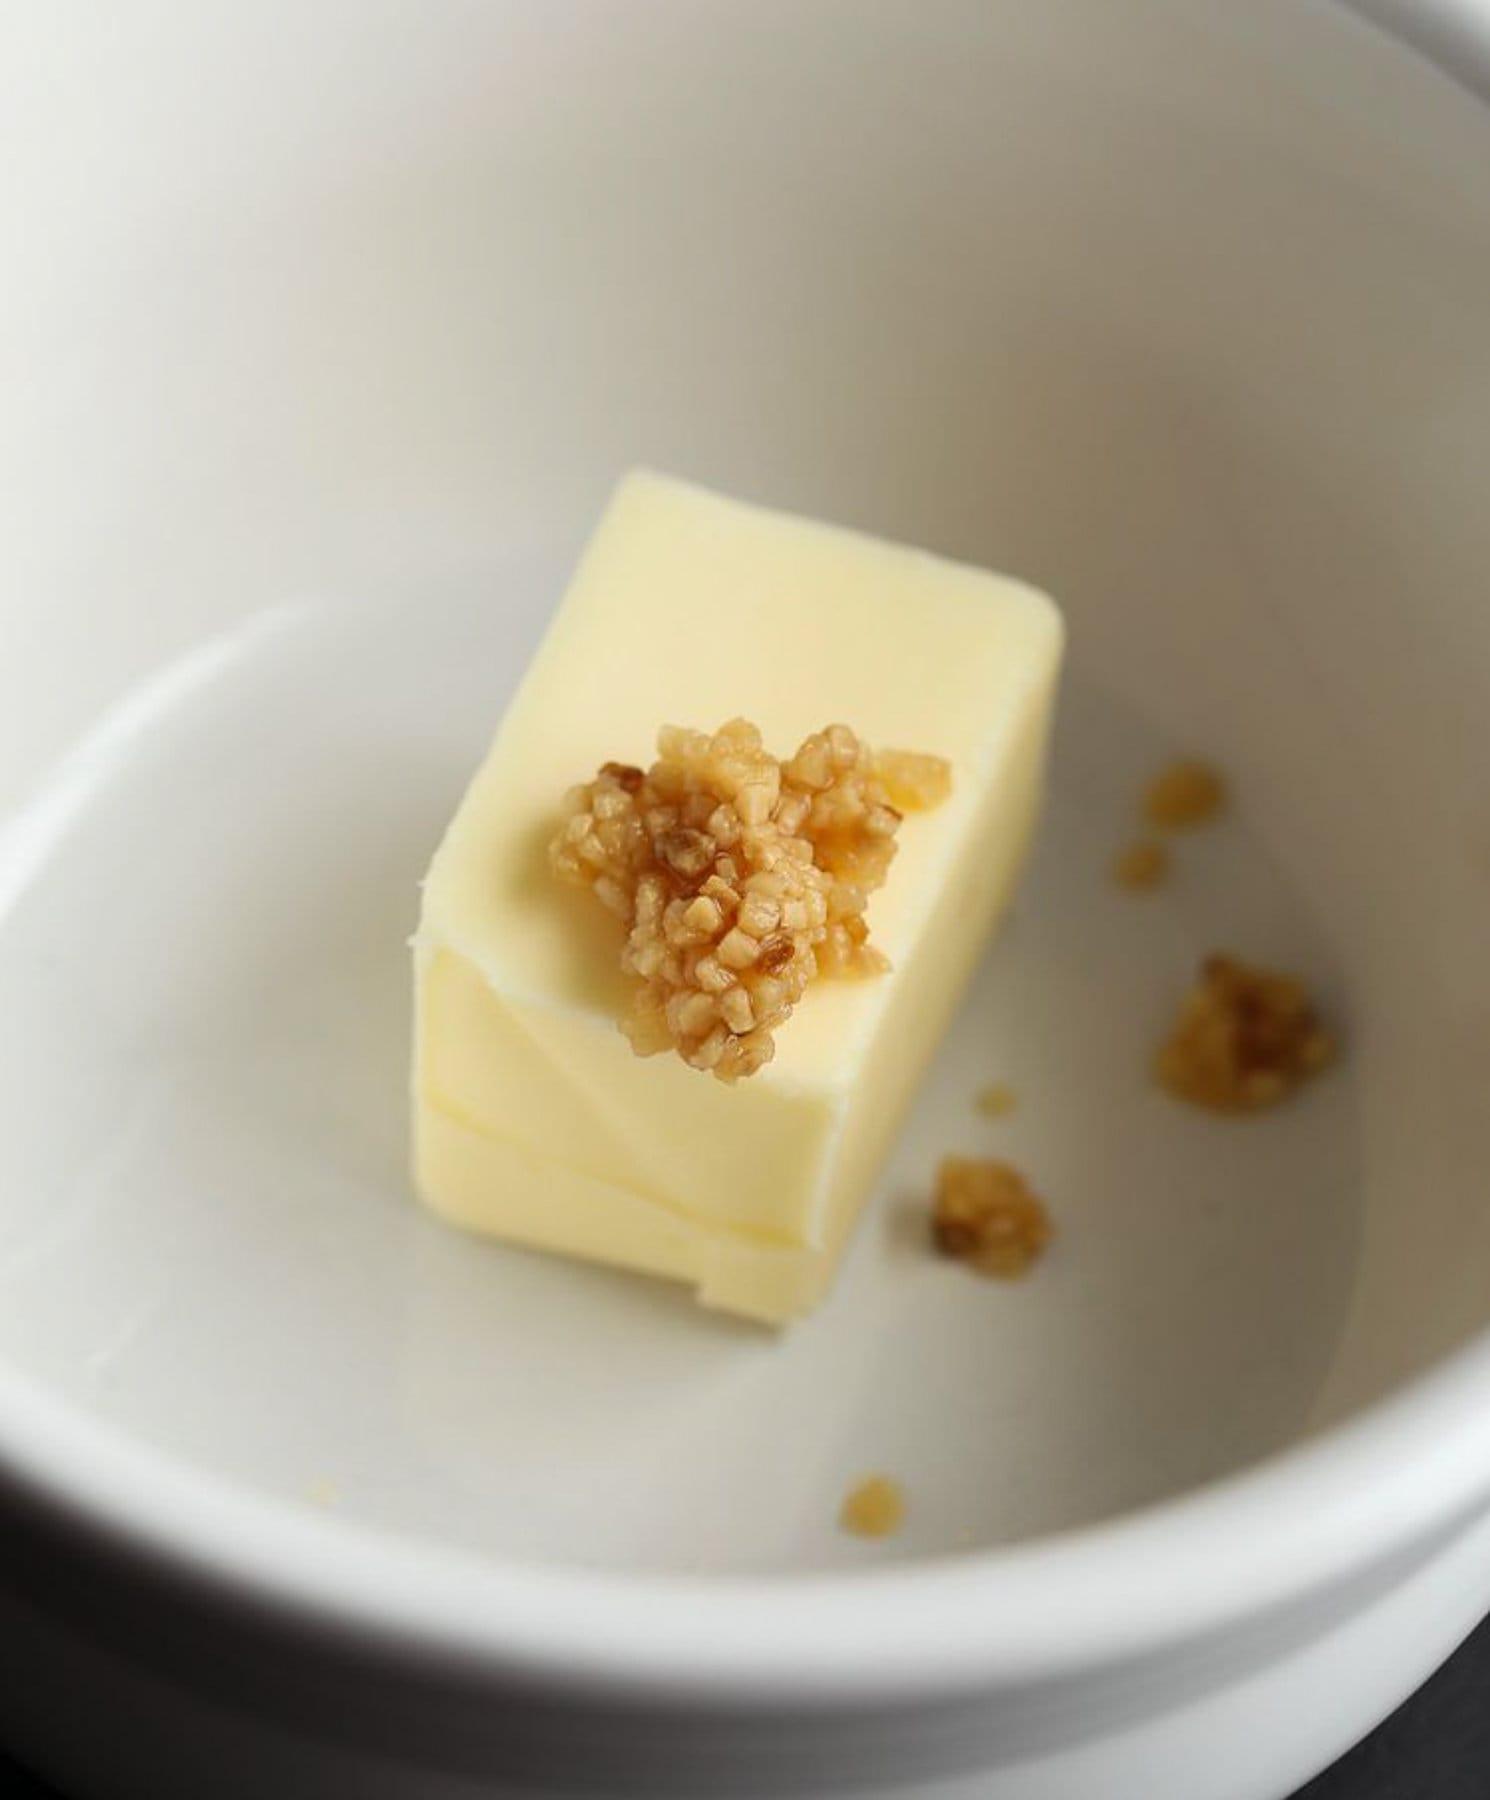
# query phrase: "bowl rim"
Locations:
[[1303, 1521], [1453, 34], [1306, 1519]]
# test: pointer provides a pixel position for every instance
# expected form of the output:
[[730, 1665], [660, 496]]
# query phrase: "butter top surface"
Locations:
[[691, 609]]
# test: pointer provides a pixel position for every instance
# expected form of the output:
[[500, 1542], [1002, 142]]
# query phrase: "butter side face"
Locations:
[[534, 1120]]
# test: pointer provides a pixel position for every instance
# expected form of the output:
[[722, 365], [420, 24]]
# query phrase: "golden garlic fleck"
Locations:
[[740, 879], [987, 1215], [1245, 1038], [914, 781]]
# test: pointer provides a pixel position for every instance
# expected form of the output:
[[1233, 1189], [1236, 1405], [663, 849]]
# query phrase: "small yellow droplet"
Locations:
[[1184, 794], [1143, 865], [997, 1101], [873, 1507]]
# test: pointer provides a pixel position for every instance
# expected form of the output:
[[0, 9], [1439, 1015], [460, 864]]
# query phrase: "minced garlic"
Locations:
[[740, 878], [987, 1215], [1245, 1038]]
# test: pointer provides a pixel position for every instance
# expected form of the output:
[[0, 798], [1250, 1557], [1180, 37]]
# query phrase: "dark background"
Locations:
[[1436, 1747]]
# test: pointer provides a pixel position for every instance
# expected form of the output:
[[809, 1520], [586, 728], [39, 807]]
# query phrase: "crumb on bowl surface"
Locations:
[[740, 878], [1245, 1039], [1183, 795], [987, 1215], [873, 1507]]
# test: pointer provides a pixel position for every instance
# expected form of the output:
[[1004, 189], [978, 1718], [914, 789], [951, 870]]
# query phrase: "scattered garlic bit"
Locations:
[[740, 879], [1184, 794], [987, 1215], [1142, 866], [1245, 1038], [913, 781], [873, 1508], [998, 1101]]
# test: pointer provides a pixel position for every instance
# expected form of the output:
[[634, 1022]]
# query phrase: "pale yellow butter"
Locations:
[[533, 1118]]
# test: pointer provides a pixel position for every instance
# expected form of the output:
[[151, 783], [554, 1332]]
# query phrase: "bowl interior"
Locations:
[[1180, 318]]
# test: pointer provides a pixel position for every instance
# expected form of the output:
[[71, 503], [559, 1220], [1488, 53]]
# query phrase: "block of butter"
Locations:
[[534, 1119]]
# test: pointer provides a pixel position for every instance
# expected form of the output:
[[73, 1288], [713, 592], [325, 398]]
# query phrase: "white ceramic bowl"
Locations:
[[325, 330]]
